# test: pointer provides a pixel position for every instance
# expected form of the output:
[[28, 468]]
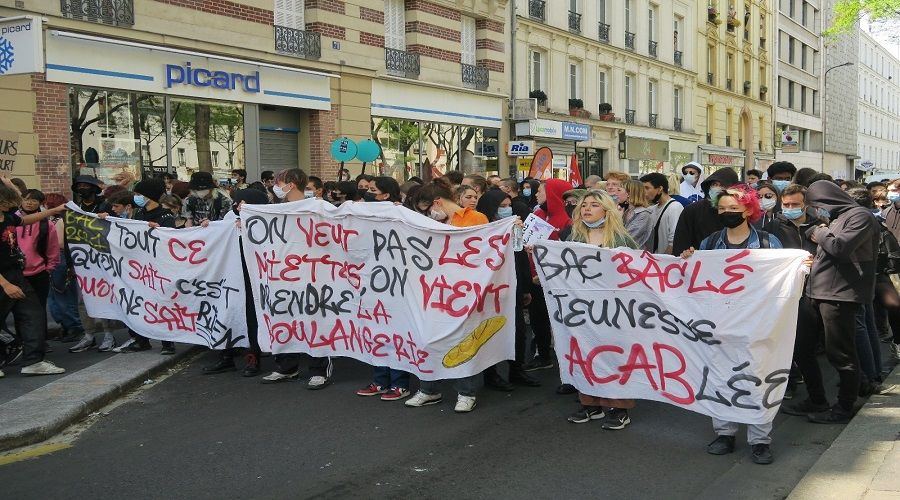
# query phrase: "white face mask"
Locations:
[[767, 203], [309, 194], [438, 215], [280, 193], [690, 178], [202, 193]]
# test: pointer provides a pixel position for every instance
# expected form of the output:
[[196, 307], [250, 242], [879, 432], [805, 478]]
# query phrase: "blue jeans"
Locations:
[[63, 299], [867, 343], [389, 378], [466, 386]]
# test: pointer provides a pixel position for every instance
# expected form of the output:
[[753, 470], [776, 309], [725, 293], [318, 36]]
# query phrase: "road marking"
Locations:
[[33, 452]]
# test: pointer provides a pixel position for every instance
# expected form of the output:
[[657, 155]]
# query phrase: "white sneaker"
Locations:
[[122, 348], [2, 374], [276, 377], [422, 399], [109, 342], [318, 382], [464, 404], [43, 368], [84, 344]]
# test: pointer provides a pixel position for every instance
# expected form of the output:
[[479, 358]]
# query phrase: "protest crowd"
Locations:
[[848, 308]]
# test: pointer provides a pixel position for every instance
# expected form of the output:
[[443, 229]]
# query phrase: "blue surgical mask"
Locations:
[[893, 196], [690, 178], [792, 213], [714, 193], [526, 192], [594, 225], [754, 185], [781, 185], [140, 200], [504, 212]]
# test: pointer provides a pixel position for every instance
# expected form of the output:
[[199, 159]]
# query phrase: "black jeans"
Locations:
[[29, 317], [838, 321], [41, 284], [252, 324], [540, 323], [290, 362]]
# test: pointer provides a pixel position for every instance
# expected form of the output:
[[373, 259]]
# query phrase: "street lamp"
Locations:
[[825, 110]]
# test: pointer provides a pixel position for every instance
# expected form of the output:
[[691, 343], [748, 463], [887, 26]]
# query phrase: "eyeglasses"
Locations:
[[767, 196]]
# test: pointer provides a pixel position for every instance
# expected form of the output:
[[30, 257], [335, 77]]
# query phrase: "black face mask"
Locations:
[[369, 196], [731, 220], [570, 209], [86, 193]]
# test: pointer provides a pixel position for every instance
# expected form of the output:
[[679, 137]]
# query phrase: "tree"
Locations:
[[82, 116], [848, 12], [402, 133], [226, 129], [201, 135]]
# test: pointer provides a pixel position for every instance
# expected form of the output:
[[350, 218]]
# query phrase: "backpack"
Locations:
[[888, 252]]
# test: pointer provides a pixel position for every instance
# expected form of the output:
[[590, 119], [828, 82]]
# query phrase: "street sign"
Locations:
[[790, 141], [524, 109], [865, 166]]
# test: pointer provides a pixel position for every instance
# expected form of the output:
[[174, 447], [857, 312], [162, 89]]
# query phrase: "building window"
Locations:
[[651, 23], [537, 71], [651, 94], [679, 22], [601, 11], [677, 98], [803, 98], [790, 92], [628, 16], [467, 40], [289, 13], [215, 159], [182, 162], [601, 87], [803, 49], [710, 123], [574, 80], [394, 24], [791, 49], [629, 101]]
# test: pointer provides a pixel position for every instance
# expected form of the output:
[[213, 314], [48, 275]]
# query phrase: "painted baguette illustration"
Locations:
[[468, 347]]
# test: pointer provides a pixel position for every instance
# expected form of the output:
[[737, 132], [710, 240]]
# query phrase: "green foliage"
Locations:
[[848, 12]]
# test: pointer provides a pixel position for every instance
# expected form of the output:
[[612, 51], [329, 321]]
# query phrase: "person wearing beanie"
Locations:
[[205, 201], [689, 193], [699, 220]]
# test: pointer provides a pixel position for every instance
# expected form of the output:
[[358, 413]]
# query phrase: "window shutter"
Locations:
[[289, 13], [394, 24], [467, 37]]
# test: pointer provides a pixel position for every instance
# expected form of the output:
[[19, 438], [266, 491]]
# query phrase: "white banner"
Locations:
[[183, 285], [381, 284], [713, 333]]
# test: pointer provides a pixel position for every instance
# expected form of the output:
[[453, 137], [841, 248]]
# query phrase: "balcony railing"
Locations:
[[652, 47], [401, 63], [679, 58], [677, 125], [629, 40], [710, 78], [298, 43], [603, 32], [629, 116], [574, 22], [729, 84], [653, 121], [728, 140], [112, 12], [536, 9], [475, 77]]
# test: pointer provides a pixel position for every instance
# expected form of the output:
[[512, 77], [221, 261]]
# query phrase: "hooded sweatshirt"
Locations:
[[29, 240], [846, 259], [700, 219], [554, 210]]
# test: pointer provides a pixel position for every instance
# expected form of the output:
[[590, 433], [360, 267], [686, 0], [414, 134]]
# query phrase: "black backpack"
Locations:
[[888, 252]]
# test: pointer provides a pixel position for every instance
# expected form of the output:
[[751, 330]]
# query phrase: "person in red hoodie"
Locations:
[[551, 208], [39, 242]]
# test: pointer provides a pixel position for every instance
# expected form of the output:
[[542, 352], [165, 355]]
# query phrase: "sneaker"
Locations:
[[372, 390], [803, 408], [788, 393], [833, 415], [318, 382], [723, 445], [616, 419], [395, 394], [539, 364], [42, 368], [464, 404], [86, 342], [108, 344], [124, 347], [761, 454], [251, 368], [2, 374], [276, 377], [586, 414], [168, 349], [565, 389], [422, 399], [138, 346], [895, 352], [71, 337], [520, 377], [13, 353], [222, 366]]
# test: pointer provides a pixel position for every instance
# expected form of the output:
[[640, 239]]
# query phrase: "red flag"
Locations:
[[575, 172]]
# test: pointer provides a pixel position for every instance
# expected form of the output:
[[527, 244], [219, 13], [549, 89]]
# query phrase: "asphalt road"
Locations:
[[224, 436]]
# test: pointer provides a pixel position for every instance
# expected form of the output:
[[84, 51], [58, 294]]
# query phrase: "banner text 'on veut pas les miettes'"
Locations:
[[713, 333], [381, 284], [183, 285]]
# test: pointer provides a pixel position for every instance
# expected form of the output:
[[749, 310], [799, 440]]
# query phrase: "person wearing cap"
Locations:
[[689, 193], [781, 173], [205, 201], [88, 190], [699, 220]]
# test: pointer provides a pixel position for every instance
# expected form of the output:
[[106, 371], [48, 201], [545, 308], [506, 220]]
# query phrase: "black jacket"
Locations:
[[158, 215], [700, 219], [847, 254], [791, 235]]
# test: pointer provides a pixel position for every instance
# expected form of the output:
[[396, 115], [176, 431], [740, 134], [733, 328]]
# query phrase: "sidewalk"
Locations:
[[864, 461]]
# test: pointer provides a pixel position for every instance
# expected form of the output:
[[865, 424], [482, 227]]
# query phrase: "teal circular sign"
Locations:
[[343, 149], [368, 150]]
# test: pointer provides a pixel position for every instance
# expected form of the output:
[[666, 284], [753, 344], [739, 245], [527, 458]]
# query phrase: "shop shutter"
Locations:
[[394, 24], [278, 150], [467, 38], [289, 13]]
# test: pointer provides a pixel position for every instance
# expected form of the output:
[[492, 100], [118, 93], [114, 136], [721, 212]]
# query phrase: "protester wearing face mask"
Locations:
[[781, 173], [314, 188], [891, 212], [88, 189], [383, 189], [122, 205], [205, 201], [737, 207], [288, 187], [666, 212], [688, 189], [238, 179], [528, 191], [699, 220], [768, 202], [173, 203], [597, 221], [753, 177]]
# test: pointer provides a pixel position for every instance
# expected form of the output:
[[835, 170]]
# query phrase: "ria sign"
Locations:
[[201, 77], [521, 148]]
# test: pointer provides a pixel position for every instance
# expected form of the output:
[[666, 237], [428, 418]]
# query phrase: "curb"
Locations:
[[46, 411], [864, 460]]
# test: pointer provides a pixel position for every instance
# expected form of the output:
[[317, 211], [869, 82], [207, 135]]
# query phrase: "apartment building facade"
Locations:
[[841, 84], [878, 134], [163, 85]]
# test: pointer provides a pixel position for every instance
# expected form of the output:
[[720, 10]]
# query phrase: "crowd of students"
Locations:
[[850, 303]]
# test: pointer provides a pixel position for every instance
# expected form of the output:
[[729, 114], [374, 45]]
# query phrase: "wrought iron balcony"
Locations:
[[677, 124], [401, 63], [629, 40], [574, 22], [112, 12], [653, 120], [729, 84], [652, 47], [536, 9], [475, 77], [603, 32], [298, 43], [710, 78], [629, 116], [679, 58]]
